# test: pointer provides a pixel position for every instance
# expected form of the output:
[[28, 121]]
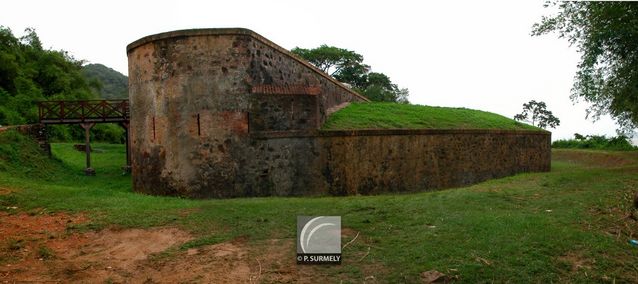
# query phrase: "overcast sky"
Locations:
[[473, 54]]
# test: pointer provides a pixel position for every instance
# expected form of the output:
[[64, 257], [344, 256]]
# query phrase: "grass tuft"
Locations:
[[45, 253]]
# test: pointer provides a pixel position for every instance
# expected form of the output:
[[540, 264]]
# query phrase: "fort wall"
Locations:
[[227, 113]]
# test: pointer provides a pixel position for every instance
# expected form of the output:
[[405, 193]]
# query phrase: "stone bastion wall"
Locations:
[[227, 113]]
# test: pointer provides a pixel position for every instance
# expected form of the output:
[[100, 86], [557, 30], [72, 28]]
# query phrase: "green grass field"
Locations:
[[393, 115], [569, 225]]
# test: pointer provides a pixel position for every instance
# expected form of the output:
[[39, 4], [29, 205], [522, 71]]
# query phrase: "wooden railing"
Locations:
[[89, 111]]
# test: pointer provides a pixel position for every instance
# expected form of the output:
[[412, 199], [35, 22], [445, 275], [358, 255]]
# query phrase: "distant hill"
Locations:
[[110, 83]]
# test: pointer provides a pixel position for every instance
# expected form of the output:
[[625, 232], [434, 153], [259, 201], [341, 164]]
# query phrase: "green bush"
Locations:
[[599, 142], [108, 132], [101, 132]]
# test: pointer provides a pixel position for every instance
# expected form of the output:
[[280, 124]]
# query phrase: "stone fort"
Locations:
[[227, 113]]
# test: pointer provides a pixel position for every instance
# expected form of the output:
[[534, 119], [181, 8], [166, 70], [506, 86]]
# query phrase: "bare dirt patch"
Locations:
[[576, 261], [25, 226], [5, 191], [111, 255], [23, 243], [38, 248], [245, 261]]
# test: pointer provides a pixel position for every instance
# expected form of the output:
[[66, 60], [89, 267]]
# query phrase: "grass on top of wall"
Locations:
[[393, 116]]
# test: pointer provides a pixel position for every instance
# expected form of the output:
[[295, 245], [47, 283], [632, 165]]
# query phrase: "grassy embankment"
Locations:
[[392, 115], [566, 225]]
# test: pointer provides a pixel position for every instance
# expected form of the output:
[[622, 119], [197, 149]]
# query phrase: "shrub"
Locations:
[[102, 132], [599, 142]]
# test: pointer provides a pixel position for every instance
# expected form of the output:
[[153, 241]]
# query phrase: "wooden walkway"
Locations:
[[87, 113], [91, 111]]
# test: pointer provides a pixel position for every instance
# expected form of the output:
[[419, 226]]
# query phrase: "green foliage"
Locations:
[[597, 142], [108, 132], [29, 73], [514, 229], [330, 59], [606, 33], [538, 113], [394, 115], [101, 132], [379, 88], [109, 83], [347, 66]]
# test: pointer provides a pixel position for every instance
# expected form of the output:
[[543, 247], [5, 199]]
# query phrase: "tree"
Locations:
[[347, 66], [29, 73], [333, 60], [579, 137], [380, 88], [606, 33], [539, 115]]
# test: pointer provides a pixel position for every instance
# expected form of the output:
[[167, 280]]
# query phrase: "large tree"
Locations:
[[606, 34], [538, 114], [380, 88], [332, 60], [347, 66]]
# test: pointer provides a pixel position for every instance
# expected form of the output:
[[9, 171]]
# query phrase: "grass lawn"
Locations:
[[569, 225], [393, 115]]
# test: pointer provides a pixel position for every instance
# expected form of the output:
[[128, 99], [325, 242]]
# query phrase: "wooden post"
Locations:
[[43, 139], [127, 137], [87, 147]]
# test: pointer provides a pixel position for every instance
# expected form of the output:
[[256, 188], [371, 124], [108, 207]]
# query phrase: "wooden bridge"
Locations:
[[92, 111], [87, 113]]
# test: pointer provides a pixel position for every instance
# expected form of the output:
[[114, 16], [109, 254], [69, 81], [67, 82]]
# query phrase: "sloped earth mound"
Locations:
[[595, 159], [39, 248]]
